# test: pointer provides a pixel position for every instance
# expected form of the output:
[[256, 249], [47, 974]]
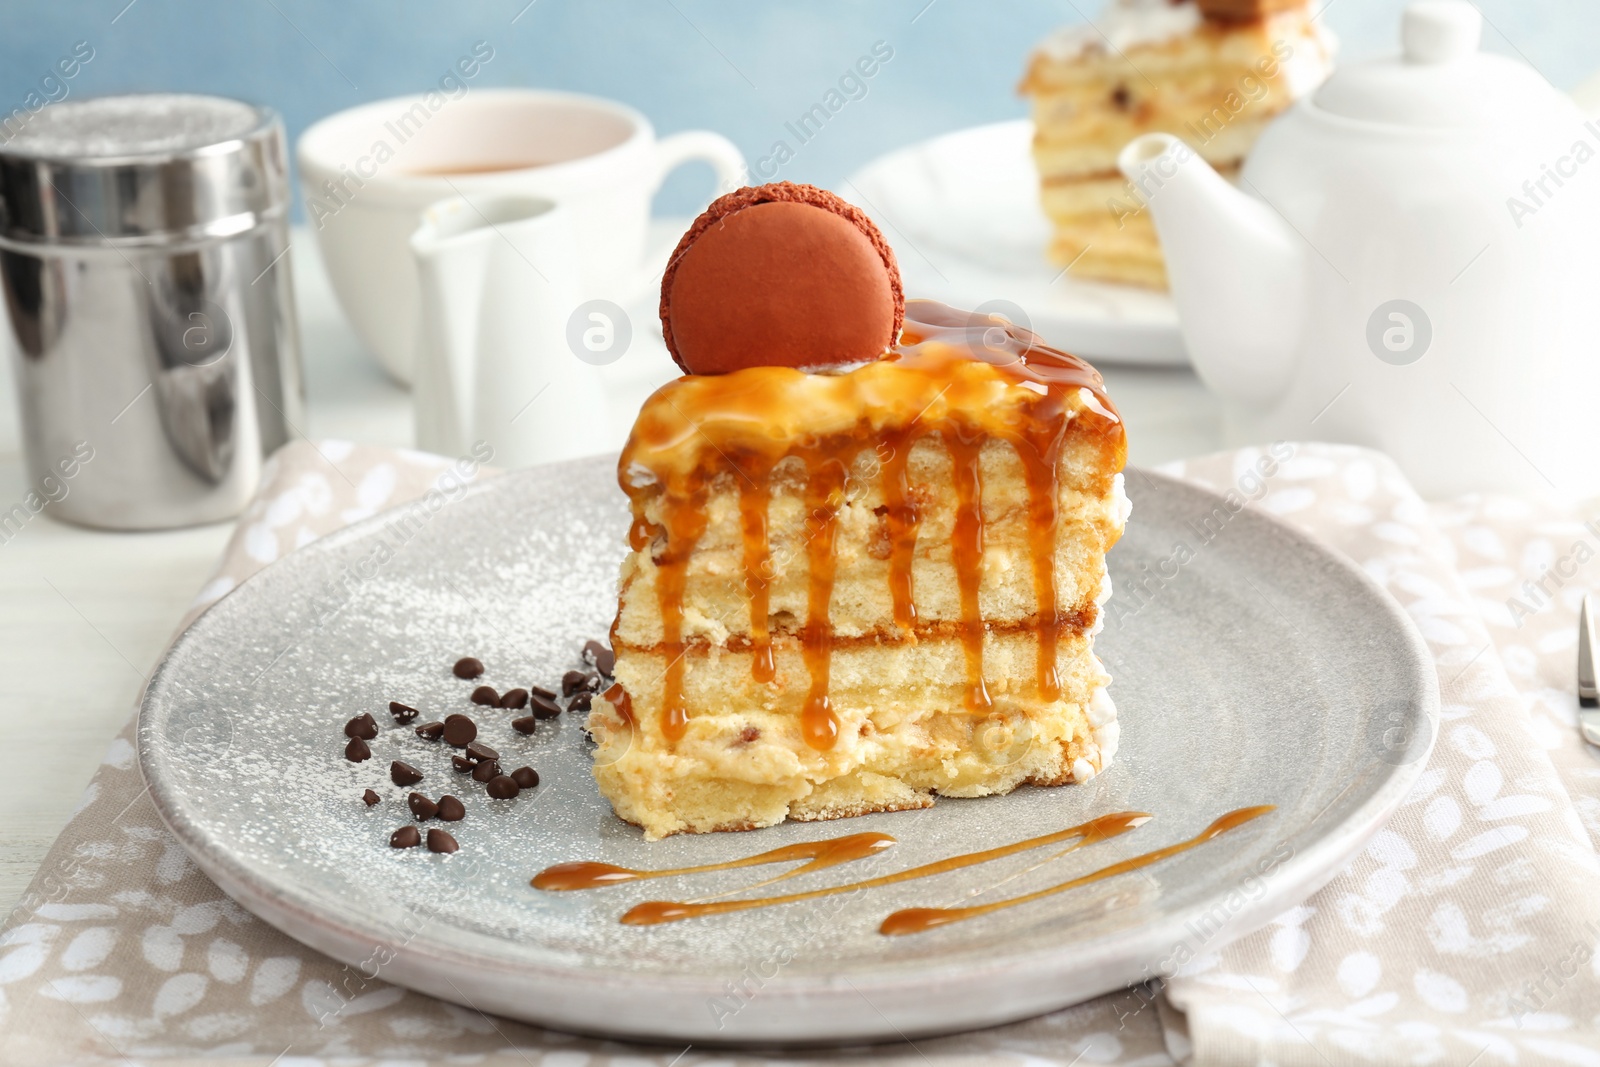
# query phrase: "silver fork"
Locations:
[[1588, 685]]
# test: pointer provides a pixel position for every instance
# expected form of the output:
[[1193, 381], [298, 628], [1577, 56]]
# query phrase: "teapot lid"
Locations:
[[1440, 80]]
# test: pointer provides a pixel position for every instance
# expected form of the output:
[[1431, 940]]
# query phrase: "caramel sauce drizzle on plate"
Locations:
[[964, 378], [916, 920], [834, 851], [1100, 829], [820, 854]]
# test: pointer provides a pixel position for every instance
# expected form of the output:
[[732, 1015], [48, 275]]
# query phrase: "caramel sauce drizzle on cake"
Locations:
[[902, 519], [753, 495], [961, 377], [967, 553], [619, 698], [827, 470]]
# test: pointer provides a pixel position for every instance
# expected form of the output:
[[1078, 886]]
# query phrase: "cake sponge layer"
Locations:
[[717, 586], [905, 733]]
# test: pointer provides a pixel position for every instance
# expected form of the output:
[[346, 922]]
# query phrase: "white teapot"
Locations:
[[1411, 261]]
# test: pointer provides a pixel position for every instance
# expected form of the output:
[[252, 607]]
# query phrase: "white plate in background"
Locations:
[[962, 212]]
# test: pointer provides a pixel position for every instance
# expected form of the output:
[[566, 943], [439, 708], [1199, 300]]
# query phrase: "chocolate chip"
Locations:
[[1121, 98], [439, 841], [477, 750], [468, 667], [525, 777], [459, 730], [451, 809], [581, 702], [573, 682], [363, 726], [486, 770], [545, 707], [503, 787], [405, 837], [370, 797], [749, 734], [540, 691], [514, 699], [486, 696], [604, 660], [431, 731], [357, 750], [402, 713], [423, 808], [462, 764], [524, 725], [404, 773]]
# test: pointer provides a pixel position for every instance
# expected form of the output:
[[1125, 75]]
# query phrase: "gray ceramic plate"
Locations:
[[1264, 670]]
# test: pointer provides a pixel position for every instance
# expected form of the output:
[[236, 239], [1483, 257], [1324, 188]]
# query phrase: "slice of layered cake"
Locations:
[[868, 544], [1213, 72]]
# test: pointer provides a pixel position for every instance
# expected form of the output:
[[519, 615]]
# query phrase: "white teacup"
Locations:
[[368, 173]]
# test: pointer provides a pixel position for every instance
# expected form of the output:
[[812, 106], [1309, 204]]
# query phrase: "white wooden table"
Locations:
[[85, 615]]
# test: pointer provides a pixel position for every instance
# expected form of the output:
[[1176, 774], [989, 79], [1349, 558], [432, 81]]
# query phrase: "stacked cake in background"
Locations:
[[1213, 72]]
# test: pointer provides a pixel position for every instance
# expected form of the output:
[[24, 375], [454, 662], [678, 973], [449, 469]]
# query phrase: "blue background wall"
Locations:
[[742, 67]]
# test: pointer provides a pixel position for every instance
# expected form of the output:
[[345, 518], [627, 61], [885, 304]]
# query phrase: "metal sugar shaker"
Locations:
[[149, 305]]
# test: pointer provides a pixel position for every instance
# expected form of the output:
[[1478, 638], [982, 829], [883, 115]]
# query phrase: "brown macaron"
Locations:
[[1245, 10], [780, 275]]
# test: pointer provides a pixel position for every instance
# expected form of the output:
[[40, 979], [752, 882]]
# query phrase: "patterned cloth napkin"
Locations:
[[1465, 933]]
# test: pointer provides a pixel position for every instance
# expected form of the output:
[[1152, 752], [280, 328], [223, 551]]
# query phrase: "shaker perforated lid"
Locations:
[[149, 168], [1441, 80]]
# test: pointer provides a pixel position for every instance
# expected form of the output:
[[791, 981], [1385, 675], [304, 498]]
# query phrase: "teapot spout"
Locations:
[[1235, 268]]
